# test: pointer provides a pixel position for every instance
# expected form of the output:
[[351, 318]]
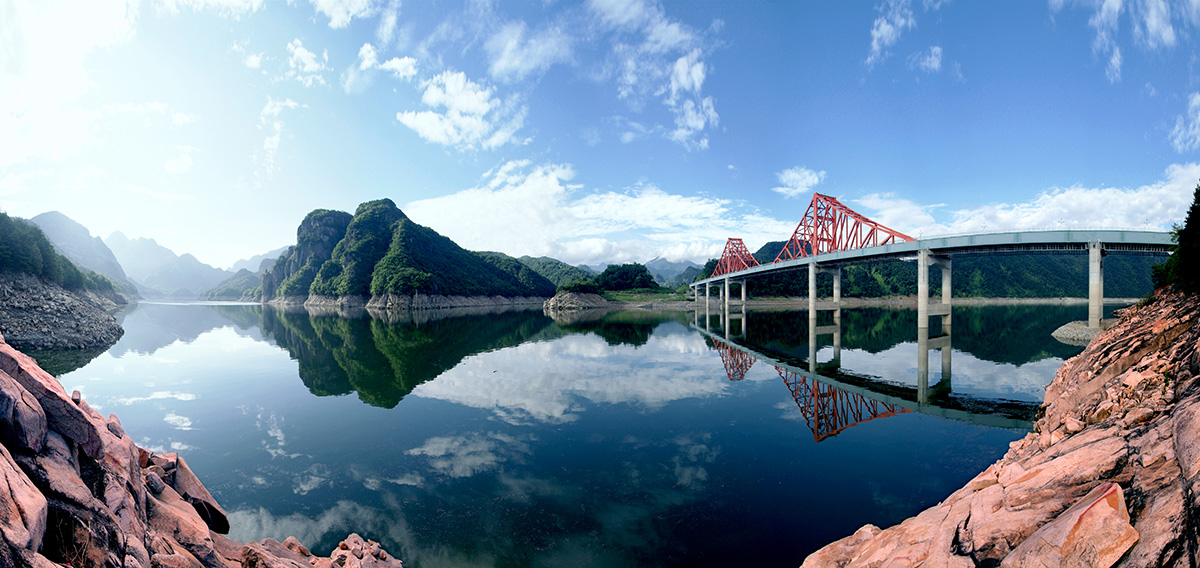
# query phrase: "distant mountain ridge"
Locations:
[[160, 272], [254, 263], [665, 271], [380, 252]]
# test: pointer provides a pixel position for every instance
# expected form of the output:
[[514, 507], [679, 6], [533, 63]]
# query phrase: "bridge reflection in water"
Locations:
[[832, 399]]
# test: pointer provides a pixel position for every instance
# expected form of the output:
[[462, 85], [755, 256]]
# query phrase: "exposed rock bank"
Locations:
[[574, 301], [75, 490], [1109, 476], [35, 314]]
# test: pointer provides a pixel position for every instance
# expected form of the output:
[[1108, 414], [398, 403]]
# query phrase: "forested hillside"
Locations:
[[380, 251], [556, 271], [24, 249]]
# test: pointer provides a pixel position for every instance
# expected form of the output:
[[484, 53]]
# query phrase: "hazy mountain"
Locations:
[[159, 271], [665, 270], [379, 251], [254, 263], [75, 242]]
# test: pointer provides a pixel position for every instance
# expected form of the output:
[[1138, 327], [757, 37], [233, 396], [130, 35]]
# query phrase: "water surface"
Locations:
[[509, 439]]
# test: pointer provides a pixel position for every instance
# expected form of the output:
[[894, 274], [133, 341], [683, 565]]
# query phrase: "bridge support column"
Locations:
[[725, 293], [707, 295], [1095, 284], [812, 294], [742, 285], [925, 259]]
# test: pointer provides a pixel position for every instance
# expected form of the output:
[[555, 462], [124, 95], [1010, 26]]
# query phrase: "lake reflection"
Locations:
[[509, 439]]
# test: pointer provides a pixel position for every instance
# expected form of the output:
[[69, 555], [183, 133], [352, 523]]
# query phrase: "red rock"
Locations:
[[1093, 533], [22, 420], [23, 510], [62, 415], [195, 493]]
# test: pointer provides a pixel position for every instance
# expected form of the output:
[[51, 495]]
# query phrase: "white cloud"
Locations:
[[269, 119], [179, 422], [1185, 137], [227, 8], [654, 55], [798, 181], [253, 60], [623, 13], [182, 162], [304, 65], [387, 23], [401, 67], [1150, 207], [340, 12], [157, 395], [895, 17], [359, 77], [542, 392], [1152, 26], [464, 456], [523, 209], [897, 213], [514, 57], [929, 61], [471, 117]]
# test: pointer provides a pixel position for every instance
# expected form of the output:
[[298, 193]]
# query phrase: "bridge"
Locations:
[[831, 235]]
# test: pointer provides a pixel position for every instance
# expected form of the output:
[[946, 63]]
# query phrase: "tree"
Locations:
[[626, 277], [1181, 268]]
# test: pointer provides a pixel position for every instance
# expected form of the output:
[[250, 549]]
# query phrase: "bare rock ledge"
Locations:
[[75, 490], [1110, 476]]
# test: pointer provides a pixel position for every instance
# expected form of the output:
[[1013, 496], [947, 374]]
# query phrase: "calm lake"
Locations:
[[510, 439]]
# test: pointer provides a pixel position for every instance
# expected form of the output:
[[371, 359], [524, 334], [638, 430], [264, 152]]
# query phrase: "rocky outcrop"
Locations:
[[75, 490], [1110, 476], [35, 314], [563, 301]]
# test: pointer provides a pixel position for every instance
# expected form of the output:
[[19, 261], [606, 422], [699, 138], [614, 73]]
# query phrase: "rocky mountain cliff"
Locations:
[[1110, 476], [77, 491], [380, 254], [75, 242]]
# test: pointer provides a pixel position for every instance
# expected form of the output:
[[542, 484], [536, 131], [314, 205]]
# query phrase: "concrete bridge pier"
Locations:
[[1095, 284], [924, 345], [925, 259]]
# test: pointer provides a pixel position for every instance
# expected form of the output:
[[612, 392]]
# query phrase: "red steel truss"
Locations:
[[737, 362], [828, 226], [828, 410], [736, 257]]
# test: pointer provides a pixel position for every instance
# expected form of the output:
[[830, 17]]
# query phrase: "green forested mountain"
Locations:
[[23, 248], [379, 250], [236, 287], [556, 271], [1010, 275]]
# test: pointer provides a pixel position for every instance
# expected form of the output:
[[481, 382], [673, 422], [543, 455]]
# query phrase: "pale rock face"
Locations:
[[1109, 477], [23, 509]]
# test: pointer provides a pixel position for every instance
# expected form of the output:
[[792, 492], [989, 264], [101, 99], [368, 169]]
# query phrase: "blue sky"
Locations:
[[596, 131]]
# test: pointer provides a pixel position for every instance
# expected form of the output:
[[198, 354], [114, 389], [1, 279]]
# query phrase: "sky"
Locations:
[[596, 131]]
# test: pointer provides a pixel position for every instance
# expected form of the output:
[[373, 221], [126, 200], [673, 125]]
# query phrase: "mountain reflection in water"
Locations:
[[507, 438]]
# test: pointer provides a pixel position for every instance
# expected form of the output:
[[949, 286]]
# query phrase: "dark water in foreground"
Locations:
[[512, 440]]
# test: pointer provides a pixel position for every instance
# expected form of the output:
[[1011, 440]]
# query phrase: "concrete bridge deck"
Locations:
[[940, 251]]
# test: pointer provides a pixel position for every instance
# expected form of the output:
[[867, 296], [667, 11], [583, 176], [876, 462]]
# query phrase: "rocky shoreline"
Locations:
[[39, 315], [78, 492], [1110, 476]]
